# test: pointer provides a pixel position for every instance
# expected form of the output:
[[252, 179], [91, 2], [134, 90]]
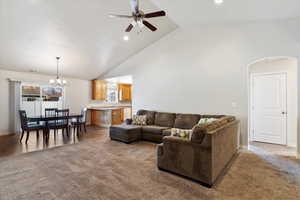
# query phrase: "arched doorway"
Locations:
[[273, 105]]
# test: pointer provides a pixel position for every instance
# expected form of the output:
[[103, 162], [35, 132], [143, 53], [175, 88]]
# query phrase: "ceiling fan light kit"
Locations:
[[219, 2], [139, 17], [126, 38]]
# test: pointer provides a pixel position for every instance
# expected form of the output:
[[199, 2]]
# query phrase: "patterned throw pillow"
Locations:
[[206, 120], [139, 120], [182, 133]]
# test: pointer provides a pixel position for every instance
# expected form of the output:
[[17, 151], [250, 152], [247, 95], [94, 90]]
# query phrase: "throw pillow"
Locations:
[[206, 120], [139, 120], [182, 133]]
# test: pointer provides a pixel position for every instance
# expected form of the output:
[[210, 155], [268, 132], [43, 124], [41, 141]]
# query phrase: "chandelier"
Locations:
[[59, 81]]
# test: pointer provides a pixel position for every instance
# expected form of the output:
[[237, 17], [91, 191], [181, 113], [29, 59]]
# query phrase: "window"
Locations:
[[44, 93], [112, 93], [52, 93], [36, 98], [31, 93]]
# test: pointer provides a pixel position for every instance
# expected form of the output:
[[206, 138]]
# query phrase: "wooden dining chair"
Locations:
[[29, 127], [81, 124], [63, 124], [51, 112]]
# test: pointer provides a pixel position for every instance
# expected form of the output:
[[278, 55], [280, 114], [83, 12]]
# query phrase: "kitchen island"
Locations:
[[105, 116]]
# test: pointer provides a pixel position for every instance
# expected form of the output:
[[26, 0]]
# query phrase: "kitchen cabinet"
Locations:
[[125, 92], [107, 116], [116, 117], [99, 90], [96, 118]]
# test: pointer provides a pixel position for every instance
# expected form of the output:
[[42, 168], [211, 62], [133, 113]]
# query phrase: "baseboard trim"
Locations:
[[7, 135], [243, 147]]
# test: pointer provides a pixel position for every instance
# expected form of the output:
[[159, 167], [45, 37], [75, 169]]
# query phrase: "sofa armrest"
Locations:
[[181, 156], [220, 124], [178, 140], [198, 133], [160, 149], [200, 130]]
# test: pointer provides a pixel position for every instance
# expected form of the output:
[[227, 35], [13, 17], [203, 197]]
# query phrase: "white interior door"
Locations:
[[269, 116]]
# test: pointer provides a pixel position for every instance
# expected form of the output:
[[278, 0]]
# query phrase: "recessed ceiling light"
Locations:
[[219, 2], [126, 38]]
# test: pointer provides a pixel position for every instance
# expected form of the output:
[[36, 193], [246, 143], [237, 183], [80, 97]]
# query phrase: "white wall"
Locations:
[[77, 97], [203, 69], [290, 66]]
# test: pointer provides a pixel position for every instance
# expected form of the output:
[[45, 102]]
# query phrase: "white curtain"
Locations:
[[15, 101]]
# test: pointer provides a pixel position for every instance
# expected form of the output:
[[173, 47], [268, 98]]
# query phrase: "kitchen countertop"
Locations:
[[107, 108]]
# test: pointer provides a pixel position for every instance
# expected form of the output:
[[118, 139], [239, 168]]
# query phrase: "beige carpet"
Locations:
[[103, 169]]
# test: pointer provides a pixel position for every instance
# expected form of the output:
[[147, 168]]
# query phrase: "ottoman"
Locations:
[[125, 133]]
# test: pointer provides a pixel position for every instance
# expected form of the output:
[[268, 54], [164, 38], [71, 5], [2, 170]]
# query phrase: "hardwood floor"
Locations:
[[273, 149], [10, 145]]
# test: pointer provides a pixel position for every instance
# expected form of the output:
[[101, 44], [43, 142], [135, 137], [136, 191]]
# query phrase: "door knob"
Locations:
[[283, 113]]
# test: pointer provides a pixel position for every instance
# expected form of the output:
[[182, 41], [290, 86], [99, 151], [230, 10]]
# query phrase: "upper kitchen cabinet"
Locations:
[[125, 92], [99, 90]]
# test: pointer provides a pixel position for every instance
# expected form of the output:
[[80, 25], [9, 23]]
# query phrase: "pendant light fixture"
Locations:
[[59, 81]]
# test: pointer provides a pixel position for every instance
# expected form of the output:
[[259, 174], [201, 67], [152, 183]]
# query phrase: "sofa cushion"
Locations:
[[150, 116], [165, 119], [182, 133], [186, 121], [139, 120], [167, 132], [155, 130], [206, 120]]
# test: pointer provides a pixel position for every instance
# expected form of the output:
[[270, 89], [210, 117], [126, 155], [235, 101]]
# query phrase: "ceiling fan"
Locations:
[[139, 17]]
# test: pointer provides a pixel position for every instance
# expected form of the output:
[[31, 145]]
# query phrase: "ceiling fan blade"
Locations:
[[120, 16], [155, 14], [129, 28], [150, 26], [135, 6]]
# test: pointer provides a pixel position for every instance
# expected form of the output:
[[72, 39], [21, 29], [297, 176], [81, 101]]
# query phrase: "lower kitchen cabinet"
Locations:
[[105, 117]]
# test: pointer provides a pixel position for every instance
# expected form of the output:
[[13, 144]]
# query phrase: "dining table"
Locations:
[[49, 118]]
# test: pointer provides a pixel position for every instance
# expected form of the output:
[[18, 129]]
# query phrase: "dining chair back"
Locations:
[[50, 111], [84, 115], [23, 119], [26, 126], [81, 122], [63, 113]]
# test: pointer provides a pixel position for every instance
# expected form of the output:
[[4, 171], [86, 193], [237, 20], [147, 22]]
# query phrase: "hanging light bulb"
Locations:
[[58, 81]]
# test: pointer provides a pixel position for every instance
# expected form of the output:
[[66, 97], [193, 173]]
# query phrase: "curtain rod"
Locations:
[[14, 80]]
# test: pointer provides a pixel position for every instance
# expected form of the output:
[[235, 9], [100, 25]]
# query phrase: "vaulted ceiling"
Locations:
[[194, 12], [34, 32]]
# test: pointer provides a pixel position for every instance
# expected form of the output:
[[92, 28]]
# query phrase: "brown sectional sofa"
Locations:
[[202, 158]]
